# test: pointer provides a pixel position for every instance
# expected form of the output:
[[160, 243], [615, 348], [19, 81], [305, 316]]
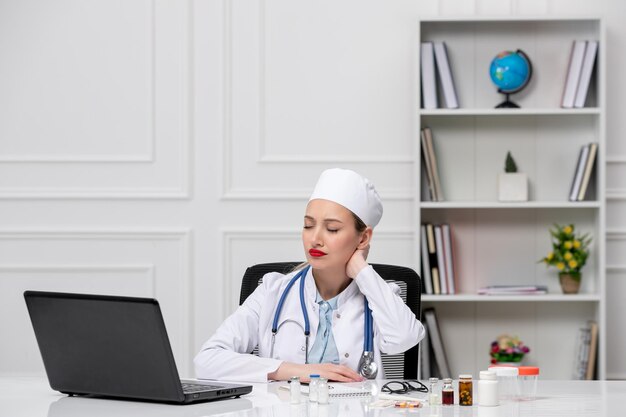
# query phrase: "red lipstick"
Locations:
[[316, 253]]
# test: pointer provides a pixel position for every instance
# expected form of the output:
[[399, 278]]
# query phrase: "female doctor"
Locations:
[[332, 317]]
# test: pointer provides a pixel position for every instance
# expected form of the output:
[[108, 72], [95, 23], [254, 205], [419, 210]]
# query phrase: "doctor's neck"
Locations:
[[331, 282]]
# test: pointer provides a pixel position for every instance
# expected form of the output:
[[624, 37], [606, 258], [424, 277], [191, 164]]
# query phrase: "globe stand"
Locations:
[[506, 104]]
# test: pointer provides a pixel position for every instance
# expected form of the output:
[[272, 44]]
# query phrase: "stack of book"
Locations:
[[435, 55], [584, 169], [513, 290], [430, 170], [581, 64], [586, 351], [433, 361], [437, 259]]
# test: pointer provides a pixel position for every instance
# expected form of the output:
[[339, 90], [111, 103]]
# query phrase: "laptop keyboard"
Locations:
[[187, 387]]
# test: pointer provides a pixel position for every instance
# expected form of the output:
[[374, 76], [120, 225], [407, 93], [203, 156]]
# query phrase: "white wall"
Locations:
[[158, 147]]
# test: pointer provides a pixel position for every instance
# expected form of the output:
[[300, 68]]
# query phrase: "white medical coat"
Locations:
[[225, 356]]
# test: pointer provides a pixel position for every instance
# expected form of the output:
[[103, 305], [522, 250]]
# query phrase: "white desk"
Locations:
[[32, 397]]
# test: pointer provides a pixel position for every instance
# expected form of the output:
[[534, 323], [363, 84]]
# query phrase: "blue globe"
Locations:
[[510, 71]]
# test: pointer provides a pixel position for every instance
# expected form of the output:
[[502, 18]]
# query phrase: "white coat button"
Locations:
[[347, 355], [302, 348], [338, 315]]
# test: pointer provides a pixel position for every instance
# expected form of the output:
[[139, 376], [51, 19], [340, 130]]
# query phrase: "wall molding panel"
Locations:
[[148, 155], [148, 262], [259, 161]]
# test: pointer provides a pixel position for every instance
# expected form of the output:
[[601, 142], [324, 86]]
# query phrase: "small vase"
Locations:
[[570, 282]]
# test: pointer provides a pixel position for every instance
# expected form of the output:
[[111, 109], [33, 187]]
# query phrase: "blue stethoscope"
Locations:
[[367, 366]]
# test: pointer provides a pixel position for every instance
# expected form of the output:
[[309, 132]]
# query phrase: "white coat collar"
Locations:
[[310, 291]]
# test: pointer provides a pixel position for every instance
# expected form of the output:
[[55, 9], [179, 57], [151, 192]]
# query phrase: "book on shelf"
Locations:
[[445, 75], [586, 351], [447, 245], [425, 357], [429, 85], [432, 258], [437, 258], [436, 340], [589, 165], [441, 260], [513, 290], [578, 174], [427, 137], [430, 180], [593, 350], [576, 59], [589, 60], [426, 277]]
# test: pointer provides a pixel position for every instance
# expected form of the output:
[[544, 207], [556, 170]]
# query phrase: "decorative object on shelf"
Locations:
[[510, 72], [569, 254], [512, 185], [509, 350]]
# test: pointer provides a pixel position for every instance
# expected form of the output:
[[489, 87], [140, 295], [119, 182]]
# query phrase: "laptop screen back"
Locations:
[[104, 345]]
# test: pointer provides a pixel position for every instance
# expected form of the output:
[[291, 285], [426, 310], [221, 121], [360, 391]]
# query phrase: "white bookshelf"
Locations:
[[500, 243]]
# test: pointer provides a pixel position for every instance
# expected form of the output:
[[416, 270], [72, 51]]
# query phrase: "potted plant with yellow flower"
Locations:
[[569, 254]]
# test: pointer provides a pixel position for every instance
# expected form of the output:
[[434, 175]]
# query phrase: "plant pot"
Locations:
[[513, 187], [514, 364], [570, 282]]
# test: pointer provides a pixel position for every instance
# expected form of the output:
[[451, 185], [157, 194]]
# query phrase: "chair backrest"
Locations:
[[400, 366]]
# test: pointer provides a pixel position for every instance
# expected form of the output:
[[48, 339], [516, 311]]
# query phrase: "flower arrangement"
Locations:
[[569, 250], [508, 349]]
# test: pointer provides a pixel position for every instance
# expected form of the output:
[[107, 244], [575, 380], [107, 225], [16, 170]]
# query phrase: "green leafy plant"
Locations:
[[507, 349], [569, 250], [509, 164]]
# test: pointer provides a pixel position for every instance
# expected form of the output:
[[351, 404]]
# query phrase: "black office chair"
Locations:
[[400, 366]]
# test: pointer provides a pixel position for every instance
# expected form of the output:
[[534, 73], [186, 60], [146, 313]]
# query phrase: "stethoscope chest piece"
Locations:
[[367, 367]]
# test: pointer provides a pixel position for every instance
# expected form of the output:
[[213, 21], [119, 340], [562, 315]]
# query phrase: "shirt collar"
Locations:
[[332, 302]]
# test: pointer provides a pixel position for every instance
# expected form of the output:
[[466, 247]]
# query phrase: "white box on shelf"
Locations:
[[513, 186]]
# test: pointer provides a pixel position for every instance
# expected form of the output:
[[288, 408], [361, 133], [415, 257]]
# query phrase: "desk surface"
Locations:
[[33, 397]]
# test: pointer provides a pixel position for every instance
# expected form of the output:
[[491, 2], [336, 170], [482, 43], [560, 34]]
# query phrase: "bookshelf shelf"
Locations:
[[435, 205], [595, 298], [500, 243], [510, 112]]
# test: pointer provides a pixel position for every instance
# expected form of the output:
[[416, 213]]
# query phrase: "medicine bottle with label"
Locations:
[[322, 391], [465, 390], [294, 390], [434, 398], [447, 392], [313, 383], [488, 389]]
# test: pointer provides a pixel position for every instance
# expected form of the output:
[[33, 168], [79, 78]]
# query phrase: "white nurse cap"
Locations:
[[354, 192]]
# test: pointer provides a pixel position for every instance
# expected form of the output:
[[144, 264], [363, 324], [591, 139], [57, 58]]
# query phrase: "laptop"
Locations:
[[113, 346]]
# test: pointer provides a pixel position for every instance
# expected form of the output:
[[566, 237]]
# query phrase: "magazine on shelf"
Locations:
[[513, 290]]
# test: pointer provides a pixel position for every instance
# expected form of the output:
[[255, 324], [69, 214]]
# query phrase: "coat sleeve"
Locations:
[[396, 327], [226, 355]]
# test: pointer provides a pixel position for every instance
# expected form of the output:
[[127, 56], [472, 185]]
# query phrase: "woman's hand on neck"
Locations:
[[357, 262]]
